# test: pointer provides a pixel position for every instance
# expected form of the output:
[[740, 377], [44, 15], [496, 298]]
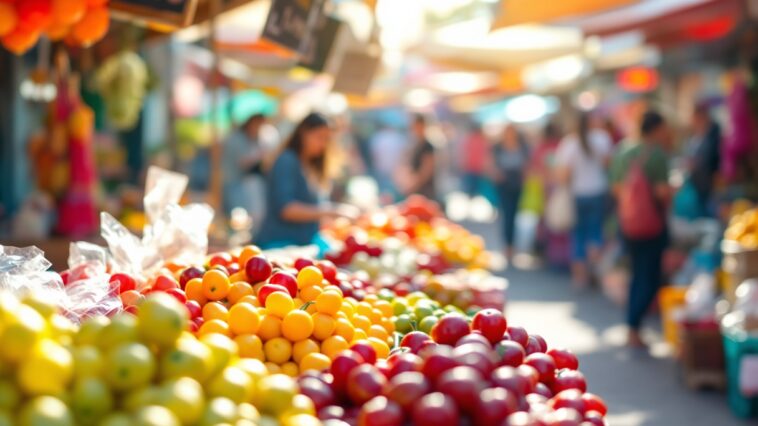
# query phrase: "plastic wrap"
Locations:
[[25, 270], [89, 290], [176, 233]]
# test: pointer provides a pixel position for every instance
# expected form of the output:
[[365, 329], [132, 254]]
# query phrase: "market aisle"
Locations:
[[641, 390]]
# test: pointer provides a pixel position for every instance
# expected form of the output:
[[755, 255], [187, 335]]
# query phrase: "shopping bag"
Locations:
[[560, 215]]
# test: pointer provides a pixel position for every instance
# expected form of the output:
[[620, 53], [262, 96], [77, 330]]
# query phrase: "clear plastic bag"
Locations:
[[89, 291], [25, 270], [174, 232]]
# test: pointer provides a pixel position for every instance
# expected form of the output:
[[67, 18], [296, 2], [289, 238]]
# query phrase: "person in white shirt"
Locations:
[[581, 162]]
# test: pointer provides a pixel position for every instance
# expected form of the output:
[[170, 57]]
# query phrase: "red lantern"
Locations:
[[8, 18], [638, 79], [68, 12], [20, 40], [92, 27], [713, 29], [34, 15]]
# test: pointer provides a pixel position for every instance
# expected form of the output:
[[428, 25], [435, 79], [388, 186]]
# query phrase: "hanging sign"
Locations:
[[179, 13], [316, 49], [291, 22]]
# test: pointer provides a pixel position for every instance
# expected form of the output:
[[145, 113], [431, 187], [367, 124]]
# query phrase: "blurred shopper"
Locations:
[[612, 130], [243, 155], [419, 175], [386, 147], [473, 156], [640, 182], [298, 180], [703, 155], [510, 162], [581, 162]]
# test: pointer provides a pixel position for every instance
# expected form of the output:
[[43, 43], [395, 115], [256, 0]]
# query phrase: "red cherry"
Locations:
[[571, 398], [414, 340], [595, 403], [267, 289], [221, 258], [194, 308], [519, 335], [380, 411], [178, 294], [564, 358], [286, 280], [258, 269], [544, 365], [342, 365], [449, 329], [125, 282], [188, 274], [364, 382], [302, 262], [491, 323], [329, 270], [164, 283], [569, 379], [366, 351]]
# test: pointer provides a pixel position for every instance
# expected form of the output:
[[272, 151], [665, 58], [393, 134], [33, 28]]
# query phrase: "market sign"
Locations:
[[514, 12], [316, 48], [178, 13], [638, 79], [291, 23], [356, 73]]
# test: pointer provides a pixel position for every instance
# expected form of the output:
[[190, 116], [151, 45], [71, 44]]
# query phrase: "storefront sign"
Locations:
[[291, 22], [173, 12], [318, 46], [356, 73]]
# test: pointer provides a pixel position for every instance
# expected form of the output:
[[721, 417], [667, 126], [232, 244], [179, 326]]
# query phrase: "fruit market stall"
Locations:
[[156, 331]]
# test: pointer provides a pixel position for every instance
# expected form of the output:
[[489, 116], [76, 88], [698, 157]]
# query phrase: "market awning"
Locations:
[[515, 12]]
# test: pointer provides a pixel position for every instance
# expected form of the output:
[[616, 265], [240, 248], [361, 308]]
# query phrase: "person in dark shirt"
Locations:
[[295, 185], [421, 169], [510, 162], [703, 152]]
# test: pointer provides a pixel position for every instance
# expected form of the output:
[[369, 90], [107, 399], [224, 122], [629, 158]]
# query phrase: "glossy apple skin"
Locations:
[[569, 379], [380, 411], [564, 358], [286, 280], [407, 388], [544, 365], [491, 323], [494, 405], [366, 351], [319, 392], [571, 398], [463, 384], [519, 335], [403, 362], [414, 340], [595, 403], [449, 329], [510, 353], [437, 361], [435, 409], [364, 383], [342, 365], [258, 269]]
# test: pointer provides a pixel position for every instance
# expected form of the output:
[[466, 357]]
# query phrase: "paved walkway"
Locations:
[[640, 389]]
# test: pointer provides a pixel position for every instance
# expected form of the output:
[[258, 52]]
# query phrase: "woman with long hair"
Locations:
[[296, 182], [582, 161]]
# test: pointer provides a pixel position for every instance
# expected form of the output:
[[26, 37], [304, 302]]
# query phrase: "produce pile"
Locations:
[[363, 355], [743, 229]]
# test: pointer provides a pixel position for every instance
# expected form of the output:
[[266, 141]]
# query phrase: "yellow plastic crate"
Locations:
[[669, 299]]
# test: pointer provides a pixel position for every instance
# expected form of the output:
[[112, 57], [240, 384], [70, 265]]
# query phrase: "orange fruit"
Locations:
[[270, 327], [239, 276], [309, 276], [250, 346], [238, 290], [362, 322], [345, 329], [251, 300], [246, 253], [315, 361], [272, 368], [215, 326], [215, 310], [244, 319], [359, 335], [381, 348], [302, 348], [297, 325], [194, 291], [323, 325], [379, 332], [385, 307], [290, 369], [333, 345], [215, 285], [278, 350], [279, 304], [309, 294], [328, 303]]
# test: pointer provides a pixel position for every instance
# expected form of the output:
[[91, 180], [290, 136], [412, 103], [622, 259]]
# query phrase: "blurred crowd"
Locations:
[[563, 193]]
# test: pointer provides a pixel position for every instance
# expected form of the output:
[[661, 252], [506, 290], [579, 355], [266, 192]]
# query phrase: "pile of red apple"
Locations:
[[483, 373]]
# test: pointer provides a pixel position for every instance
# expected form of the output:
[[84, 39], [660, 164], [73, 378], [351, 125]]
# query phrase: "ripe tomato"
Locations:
[[279, 303], [215, 310], [215, 326], [315, 361], [328, 303], [239, 290], [250, 346], [194, 291], [333, 346], [302, 348], [323, 326], [297, 325], [125, 282], [164, 283], [270, 327], [286, 280], [267, 289], [309, 276]]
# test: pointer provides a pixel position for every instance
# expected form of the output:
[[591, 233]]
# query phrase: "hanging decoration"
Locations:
[[79, 23]]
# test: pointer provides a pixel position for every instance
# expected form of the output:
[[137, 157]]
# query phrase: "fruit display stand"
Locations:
[[738, 345]]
